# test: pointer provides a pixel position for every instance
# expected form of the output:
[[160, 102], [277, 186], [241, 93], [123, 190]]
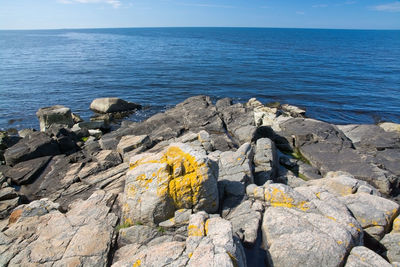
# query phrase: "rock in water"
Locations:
[[158, 184], [54, 115], [112, 104]]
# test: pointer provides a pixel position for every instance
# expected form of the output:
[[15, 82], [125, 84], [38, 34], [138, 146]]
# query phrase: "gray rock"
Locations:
[[245, 222], [112, 104], [7, 206], [54, 115], [375, 214], [137, 234], [235, 171], [265, 161], [35, 145], [391, 243], [304, 239], [363, 257]]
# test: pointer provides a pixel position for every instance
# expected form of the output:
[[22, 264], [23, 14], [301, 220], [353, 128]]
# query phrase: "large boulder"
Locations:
[[25, 172], [35, 145], [265, 161], [112, 104], [54, 115], [158, 184]]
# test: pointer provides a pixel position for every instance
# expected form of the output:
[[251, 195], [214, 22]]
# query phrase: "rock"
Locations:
[[137, 234], [76, 118], [328, 149], [390, 127], [108, 158], [293, 110], [7, 193], [158, 184], [54, 115], [375, 214], [308, 239], [396, 225], [278, 195], [92, 125], [223, 103], [235, 171], [391, 243], [164, 254], [342, 184], [112, 104], [217, 248], [35, 145], [25, 172], [245, 221], [95, 133], [131, 142], [41, 235], [265, 161], [362, 256], [8, 205], [25, 132]]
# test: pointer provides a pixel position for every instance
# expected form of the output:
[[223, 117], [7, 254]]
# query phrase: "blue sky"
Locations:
[[55, 14]]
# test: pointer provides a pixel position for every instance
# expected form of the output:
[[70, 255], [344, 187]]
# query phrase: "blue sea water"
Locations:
[[339, 76]]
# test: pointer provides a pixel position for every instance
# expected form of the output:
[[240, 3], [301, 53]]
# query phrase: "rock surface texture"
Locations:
[[201, 184]]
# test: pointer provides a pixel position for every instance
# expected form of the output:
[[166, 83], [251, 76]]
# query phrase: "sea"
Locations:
[[338, 76]]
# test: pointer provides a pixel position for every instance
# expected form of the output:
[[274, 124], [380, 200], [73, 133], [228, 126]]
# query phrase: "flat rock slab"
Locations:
[[329, 149], [35, 145], [25, 172]]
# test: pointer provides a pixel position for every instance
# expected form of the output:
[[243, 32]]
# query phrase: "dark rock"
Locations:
[[35, 145], [25, 172], [223, 103], [112, 104], [328, 149]]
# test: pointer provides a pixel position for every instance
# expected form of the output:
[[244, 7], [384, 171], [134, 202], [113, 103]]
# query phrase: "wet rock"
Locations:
[[112, 104], [35, 145], [362, 256], [25, 132], [158, 184]]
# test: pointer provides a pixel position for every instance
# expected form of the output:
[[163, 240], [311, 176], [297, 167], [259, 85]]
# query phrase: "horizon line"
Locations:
[[232, 27]]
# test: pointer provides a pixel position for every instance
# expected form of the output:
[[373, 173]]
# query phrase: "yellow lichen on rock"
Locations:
[[137, 263], [278, 198], [396, 225], [194, 230]]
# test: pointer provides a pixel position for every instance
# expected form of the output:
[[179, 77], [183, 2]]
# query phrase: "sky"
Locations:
[[338, 14]]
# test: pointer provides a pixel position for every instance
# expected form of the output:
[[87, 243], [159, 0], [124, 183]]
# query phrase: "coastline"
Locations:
[[197, 173]]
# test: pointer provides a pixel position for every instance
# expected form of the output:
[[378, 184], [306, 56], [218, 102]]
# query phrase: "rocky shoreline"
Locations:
[[202, 184]]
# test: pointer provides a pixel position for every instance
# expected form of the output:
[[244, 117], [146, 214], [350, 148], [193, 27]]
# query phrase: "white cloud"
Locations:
[[114, 3], [391, 7]]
